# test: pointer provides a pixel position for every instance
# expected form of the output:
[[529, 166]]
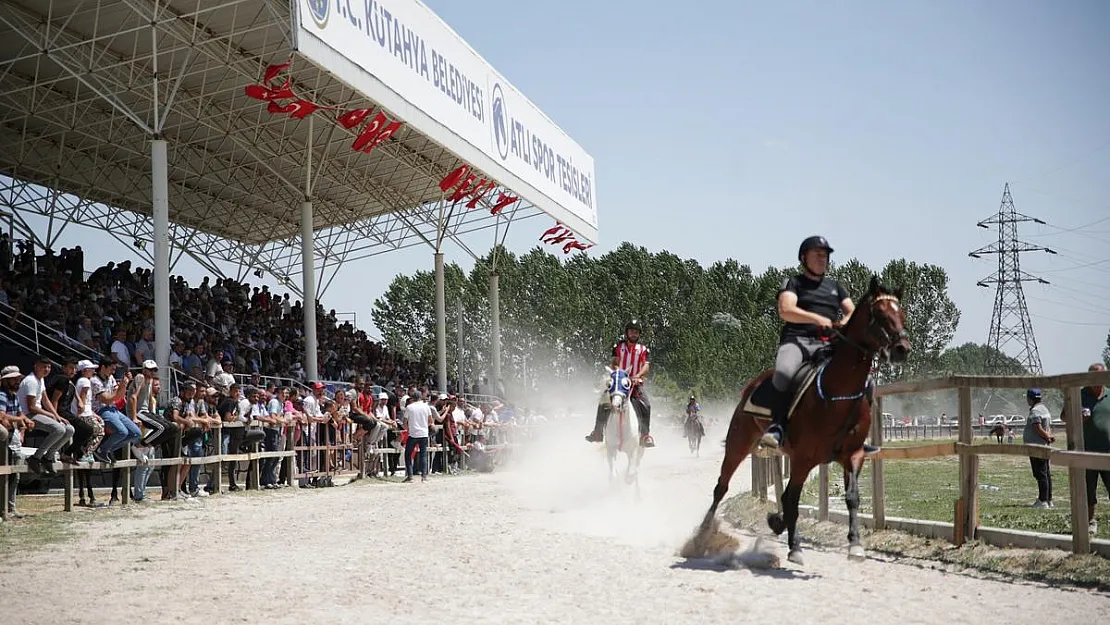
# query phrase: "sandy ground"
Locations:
[[547, 542]]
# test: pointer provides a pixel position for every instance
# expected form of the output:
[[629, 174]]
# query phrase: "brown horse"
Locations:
[[830, 420]]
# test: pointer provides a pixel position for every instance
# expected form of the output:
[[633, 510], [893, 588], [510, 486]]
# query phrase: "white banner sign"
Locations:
[[410, 51]]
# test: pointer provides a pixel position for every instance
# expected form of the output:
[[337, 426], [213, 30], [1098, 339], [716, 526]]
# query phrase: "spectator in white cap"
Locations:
[[89, 428]]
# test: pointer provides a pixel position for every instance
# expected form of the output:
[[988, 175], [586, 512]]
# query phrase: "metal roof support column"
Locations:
[[441, 326], [495, 329], [308, 277], [160, 193]]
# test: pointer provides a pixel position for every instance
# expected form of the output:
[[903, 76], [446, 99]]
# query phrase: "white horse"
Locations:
[[620, 434]]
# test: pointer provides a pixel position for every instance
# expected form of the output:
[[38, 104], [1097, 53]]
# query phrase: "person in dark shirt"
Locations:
[[809, 303]]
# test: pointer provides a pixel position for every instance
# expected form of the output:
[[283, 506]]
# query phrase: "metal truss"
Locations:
[[281, 259], [86, 84]]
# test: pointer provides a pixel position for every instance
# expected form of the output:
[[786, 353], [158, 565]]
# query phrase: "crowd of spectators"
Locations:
[[220, 326], [99, 408]]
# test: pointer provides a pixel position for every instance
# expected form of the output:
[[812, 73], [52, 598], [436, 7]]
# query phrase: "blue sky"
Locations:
[[734, 129]]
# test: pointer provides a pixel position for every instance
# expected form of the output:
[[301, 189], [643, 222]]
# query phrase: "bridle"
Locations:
[[885, 337]]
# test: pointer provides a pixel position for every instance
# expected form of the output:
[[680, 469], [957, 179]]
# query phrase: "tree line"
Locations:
[[709, 328]]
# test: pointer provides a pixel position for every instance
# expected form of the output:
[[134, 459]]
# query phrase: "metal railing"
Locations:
[[38, 338]]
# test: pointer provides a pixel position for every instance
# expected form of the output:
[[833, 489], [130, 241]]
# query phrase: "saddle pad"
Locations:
[[760, 396]]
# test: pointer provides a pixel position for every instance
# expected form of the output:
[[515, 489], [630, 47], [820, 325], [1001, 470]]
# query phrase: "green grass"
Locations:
[[1053, 566], [928, 489]]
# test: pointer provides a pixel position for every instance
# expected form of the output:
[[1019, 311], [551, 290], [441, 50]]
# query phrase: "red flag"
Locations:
[[568, 235], [297, 109], [266, 94], [272, 71], [374, 133], [503, 200], [462, 189], [575, 245], [454, 177], [390, 129], [550, 231], [479, 191], [352, 118]]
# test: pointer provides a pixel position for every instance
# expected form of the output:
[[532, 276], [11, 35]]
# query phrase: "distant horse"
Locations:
[[999, 432], [830, 416], [694, 430], [619, 433]]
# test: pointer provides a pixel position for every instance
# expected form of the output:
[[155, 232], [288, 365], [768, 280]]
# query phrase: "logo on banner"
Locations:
[[319, 11], [500, 122]]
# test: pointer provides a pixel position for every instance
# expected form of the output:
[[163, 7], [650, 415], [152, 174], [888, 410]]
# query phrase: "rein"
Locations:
[[863, 350]]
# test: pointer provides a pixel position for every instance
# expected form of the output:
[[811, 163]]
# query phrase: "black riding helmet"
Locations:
[[816, 242], [634, 324]]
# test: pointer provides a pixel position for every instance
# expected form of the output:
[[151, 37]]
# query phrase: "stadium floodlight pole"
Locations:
[[441, 326], [308, 269], [160, 213], [160, 194], [495, 328]]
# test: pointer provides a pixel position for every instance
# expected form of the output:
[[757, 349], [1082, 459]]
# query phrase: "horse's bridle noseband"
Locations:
[[886, 338]]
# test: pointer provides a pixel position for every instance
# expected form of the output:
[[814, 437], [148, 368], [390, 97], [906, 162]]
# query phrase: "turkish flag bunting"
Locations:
[[297, 109], [454, 177], [463, 189], [390, 129], [558, 227], [266, 94], [379, 129], [352, 118], [575, 245], [480, 190], [273, 70], [503, 200]]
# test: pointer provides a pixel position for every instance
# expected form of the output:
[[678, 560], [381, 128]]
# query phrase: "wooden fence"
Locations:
[[767, 467], [336, 462]]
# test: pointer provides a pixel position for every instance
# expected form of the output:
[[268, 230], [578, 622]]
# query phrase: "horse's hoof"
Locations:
[[795, 556], [776, 523], [856, 553]]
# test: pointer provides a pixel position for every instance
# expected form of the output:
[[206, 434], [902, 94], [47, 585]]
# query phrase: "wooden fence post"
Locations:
[[969, 470], [878, 486], [823, 493], [1080, 539]]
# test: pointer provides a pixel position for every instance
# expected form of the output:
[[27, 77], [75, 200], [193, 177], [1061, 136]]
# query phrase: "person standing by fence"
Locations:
[[417, 416], [1037, 433], [1096, 438]]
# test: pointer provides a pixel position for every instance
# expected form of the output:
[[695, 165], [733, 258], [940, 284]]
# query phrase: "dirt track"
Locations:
[[543, 543]]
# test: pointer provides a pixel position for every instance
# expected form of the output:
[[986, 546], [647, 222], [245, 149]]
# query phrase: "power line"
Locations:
[[1067, 164]]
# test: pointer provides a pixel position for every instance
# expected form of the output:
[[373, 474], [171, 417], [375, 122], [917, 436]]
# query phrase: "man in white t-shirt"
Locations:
[[417, 416], [35, 404]]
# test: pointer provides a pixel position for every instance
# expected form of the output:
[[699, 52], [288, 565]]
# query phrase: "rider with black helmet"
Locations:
[[808, 303], [631, 356]]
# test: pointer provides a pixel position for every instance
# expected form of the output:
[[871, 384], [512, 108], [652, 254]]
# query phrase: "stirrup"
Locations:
[[769, 438]]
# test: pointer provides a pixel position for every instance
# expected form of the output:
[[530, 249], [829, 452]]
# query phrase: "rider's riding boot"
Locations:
[[645, 427], [775, 434], [598, 435], [870, 449]]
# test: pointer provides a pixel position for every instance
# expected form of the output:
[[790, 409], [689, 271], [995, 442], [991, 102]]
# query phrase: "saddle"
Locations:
[[758, 402]]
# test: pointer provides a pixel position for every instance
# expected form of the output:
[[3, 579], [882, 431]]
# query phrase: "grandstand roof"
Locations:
[[86, 84]]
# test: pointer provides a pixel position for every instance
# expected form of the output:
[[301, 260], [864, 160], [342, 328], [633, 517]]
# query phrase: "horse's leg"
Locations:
[[742, 434], [851, 498], [788, 518]]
